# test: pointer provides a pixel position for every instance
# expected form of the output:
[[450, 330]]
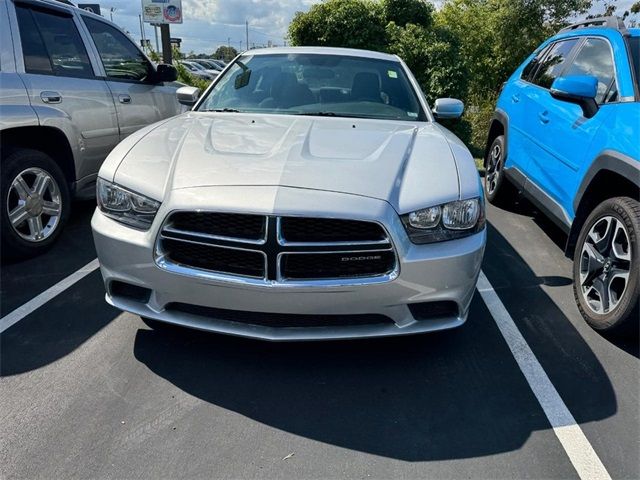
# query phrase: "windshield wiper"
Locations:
[[223, 110], [329, 114], [319, 114]]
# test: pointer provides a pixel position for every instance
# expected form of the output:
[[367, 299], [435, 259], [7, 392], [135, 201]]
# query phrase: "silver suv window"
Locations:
[[51, 44], [120, 57]]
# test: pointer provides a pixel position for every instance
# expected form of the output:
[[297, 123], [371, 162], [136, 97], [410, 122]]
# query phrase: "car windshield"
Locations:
[[316, 84]]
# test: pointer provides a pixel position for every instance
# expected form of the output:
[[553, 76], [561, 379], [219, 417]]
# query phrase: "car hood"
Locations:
[[399, 162]]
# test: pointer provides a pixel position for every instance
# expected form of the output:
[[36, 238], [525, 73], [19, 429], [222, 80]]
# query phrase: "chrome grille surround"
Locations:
[[275, 248]]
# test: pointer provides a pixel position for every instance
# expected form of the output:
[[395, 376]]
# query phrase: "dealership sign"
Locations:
[[162, 11], [90, 7]]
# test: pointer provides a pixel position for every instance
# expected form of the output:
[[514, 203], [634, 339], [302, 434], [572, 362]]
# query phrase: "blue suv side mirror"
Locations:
[[579, 89]]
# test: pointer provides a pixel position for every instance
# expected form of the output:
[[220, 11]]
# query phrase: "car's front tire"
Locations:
[[35, 203], [606, 266], [498, 189]]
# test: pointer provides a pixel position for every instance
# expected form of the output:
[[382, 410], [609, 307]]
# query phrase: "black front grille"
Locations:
[[277, 319], [295, 248], [337, 265], [215, 259], [233, 225], [310, 230]]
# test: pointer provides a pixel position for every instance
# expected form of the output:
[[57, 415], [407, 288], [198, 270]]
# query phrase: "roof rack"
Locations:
[[599, 22]]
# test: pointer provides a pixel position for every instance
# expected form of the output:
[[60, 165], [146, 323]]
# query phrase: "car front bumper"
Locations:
[[440, 272]]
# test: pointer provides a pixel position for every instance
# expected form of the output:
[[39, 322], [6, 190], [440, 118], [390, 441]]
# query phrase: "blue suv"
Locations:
[[566, 134]]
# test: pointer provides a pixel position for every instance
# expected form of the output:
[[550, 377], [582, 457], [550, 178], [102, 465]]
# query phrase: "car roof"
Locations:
[[347, 52]]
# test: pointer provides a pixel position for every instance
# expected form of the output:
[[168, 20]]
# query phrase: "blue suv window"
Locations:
[[554, 62], [595, 59]]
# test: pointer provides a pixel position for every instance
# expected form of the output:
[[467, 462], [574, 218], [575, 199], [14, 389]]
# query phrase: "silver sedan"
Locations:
[[309, 194]]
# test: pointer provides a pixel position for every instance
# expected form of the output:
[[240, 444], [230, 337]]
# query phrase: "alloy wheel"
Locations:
[[34, 204], [605, 264], [494, 168]]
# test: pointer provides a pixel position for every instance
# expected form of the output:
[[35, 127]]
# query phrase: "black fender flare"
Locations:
[[607, 160], [499, 117]]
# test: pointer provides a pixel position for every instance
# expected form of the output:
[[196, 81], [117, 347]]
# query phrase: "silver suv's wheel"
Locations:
[[35, 203], [606, 266]]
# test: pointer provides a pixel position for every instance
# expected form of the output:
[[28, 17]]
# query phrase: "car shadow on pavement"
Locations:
[[57, 329], [456, 394]]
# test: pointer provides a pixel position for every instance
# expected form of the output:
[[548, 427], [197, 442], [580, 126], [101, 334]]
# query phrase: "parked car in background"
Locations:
[[199, 71], [221, 63], [310, 194], [73, 85], [566, 133], [207, 64]]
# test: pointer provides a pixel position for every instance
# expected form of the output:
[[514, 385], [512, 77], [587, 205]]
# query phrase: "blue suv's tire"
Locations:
[[606, 266], [498, 189]]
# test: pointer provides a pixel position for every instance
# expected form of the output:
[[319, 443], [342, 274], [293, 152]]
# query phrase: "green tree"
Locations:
[[496, 36], [341, 23], [225, 53], [431, 55], [402, 12]]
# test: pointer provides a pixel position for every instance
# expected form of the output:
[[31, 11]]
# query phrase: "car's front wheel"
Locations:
[[35, 203], [606, 267], [498, 189]]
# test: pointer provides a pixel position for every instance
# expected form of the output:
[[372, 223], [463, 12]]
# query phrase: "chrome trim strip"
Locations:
[[171, 229]]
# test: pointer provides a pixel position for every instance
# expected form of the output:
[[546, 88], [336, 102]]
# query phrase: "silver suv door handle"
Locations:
[[124, 98], [50, 97]]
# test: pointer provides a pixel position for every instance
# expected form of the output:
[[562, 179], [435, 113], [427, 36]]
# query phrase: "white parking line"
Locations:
[[582, 455], [36, 302]]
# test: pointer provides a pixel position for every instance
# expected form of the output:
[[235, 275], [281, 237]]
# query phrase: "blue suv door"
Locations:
[[559, 133]]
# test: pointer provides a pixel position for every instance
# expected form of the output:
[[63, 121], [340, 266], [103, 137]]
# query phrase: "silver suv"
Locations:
[[72, 86]]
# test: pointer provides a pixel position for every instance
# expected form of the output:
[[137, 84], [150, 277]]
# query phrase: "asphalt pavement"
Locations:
[[89, 392]]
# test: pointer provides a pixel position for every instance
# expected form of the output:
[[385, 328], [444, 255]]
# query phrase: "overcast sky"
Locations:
[[210, 23]]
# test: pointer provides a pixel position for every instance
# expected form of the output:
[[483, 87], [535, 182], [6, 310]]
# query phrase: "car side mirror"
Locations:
[[188, 95], [166, 73], [448, 109], [579, 89]]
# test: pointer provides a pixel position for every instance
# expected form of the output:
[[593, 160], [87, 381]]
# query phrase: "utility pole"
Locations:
[[246, 30], [111, 10], [229, 42], [165, 33], [155, 29], [142, 35]]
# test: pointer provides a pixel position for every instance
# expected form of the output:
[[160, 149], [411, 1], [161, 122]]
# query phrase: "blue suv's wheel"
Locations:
[[606, 265], [497, 188]]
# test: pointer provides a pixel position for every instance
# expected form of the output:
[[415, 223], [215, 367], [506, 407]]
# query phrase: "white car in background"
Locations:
[[309, 194], [199, 71]]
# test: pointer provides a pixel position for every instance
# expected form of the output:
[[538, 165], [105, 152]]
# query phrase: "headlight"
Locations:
[[124, 206], [445, 222]]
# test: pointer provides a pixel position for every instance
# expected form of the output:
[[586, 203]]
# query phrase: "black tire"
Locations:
[[623, 315], [498, 190], [14, 246]]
